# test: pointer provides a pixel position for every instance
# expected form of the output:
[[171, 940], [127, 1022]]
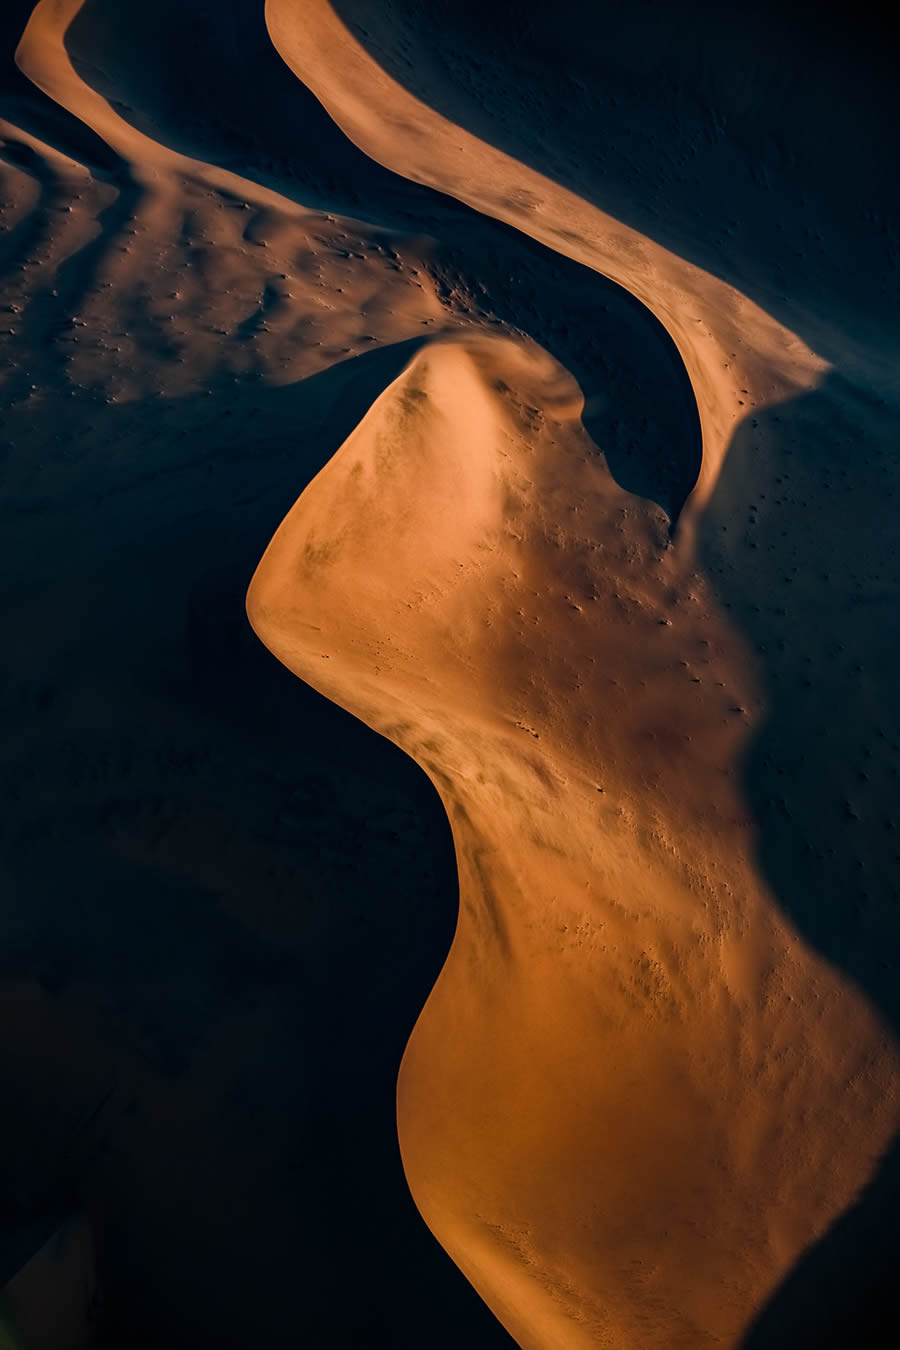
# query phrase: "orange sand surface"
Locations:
[[577, 527]]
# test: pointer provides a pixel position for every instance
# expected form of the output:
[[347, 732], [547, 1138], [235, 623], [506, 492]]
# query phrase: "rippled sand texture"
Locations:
[[567, 553]]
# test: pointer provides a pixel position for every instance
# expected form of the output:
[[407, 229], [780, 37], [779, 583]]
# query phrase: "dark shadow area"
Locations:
[[242, 108], [225, 902], [801, 543], [751, 141], [639, 407]]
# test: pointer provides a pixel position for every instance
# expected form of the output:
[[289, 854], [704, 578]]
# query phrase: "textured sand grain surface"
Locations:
[[576, 485]]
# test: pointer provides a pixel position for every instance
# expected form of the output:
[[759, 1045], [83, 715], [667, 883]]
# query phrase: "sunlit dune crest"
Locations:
[[638, 1093]]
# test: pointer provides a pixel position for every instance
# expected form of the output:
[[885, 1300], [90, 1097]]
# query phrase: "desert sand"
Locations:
[[531, 390]]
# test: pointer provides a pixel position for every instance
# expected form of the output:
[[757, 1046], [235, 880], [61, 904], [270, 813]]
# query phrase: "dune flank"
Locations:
[[563, 510], [587, 1105]]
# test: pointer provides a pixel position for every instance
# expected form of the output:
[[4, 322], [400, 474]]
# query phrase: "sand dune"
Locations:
[[735, 353], [646, 1082], [586, 1104]]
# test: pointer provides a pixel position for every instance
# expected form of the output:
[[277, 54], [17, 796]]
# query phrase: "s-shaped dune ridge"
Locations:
[[635, 1095]]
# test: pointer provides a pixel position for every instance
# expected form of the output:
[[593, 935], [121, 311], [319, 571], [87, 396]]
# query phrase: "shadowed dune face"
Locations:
[[246, 111], [750, 144], [643, 1084], [800, 541], [240, 107]]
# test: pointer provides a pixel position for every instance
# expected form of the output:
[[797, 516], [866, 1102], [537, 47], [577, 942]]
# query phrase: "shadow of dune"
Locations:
[[240, 107], [227, 898], [800, 542], [244, 109], [749, 143], [35, 227], [639, 407], [53, 306]]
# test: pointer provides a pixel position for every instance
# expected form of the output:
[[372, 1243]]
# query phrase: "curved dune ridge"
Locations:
[[636, 1095]]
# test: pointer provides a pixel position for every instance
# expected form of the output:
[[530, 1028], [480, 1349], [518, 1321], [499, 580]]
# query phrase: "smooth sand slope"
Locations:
[[565, 551]]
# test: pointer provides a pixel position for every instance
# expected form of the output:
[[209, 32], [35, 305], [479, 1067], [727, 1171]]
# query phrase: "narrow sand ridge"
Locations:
[[634, 1095], [736, 355], [751, 145]]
